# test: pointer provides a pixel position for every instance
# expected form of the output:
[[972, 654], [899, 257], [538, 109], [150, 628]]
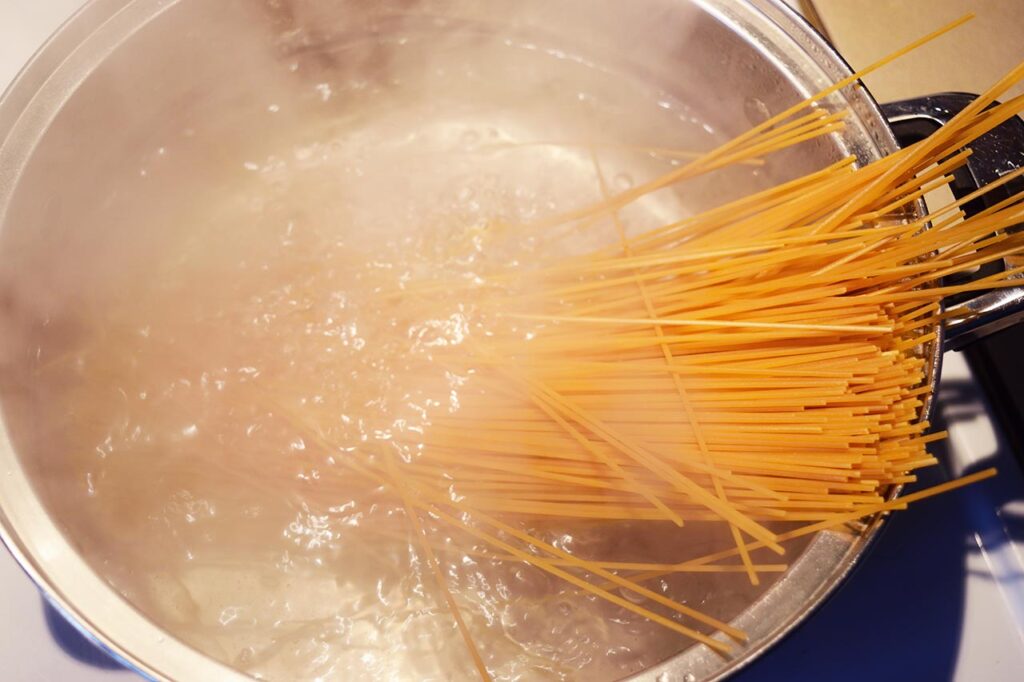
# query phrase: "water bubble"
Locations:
[[756, 110], [245, 656], [228, 615], [469, 139], [633, 596], [689, 677], [325, 91], [623, 181]]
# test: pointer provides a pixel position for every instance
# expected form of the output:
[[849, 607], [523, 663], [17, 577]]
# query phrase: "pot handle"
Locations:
[[995, 153]]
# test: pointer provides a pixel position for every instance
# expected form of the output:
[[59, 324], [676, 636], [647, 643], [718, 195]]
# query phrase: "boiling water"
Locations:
[[203, 393]]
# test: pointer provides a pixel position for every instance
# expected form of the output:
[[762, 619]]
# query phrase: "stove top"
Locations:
[[939, 597]]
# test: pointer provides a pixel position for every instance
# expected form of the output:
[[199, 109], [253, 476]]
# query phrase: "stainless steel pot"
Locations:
[[92, 98]]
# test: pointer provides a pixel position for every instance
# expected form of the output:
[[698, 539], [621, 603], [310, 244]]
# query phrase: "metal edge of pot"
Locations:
[[52, 562]]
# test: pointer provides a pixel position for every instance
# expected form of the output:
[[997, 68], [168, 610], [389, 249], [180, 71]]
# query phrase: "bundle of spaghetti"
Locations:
[[763, 365]]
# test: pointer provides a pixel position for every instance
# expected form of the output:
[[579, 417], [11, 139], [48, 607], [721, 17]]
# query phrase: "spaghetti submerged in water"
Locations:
[[754, 369]]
